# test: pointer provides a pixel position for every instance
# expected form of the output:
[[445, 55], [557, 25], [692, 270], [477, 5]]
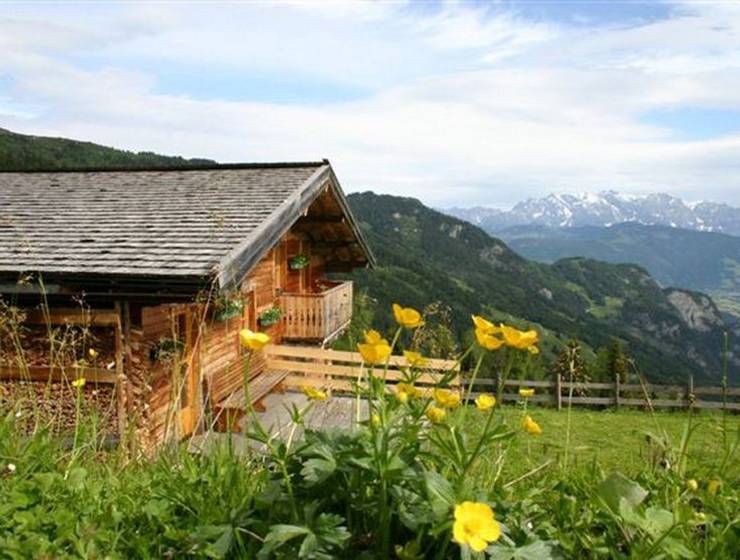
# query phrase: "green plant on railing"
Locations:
[[270, 316], [226, 308], [298, 262]]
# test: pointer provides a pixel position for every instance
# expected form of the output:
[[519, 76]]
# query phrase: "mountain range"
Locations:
[[606, 209], [425, 256]]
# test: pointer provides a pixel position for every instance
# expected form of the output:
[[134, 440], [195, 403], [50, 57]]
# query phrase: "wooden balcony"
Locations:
[[318, 316]]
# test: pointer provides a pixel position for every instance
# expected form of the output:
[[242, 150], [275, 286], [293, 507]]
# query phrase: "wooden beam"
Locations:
[[310, 221], [60, 316], [56, 374]]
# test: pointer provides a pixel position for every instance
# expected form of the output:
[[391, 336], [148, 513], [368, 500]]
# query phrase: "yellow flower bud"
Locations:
[[436, 415]]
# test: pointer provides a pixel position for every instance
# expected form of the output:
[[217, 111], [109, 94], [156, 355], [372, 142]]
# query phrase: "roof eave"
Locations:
[[232, 269]]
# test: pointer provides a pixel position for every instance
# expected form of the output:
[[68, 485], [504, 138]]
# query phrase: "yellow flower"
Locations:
[[531, 426], [253, 340], [519, 339], [485, 402], [93, 353], [533, 350], [526, 393], [407, 316], [375, 419], [446, 398], [314, 394], [414, 359], [475, 526], [406, 391], [79, 383], [436, 415], [375, 353], [374, 337], [692, 484], [713, 486], [484, 325], [488, 341]]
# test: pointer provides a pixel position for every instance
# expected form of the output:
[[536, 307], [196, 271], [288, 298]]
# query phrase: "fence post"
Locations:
[[559, 391], [617, 389], [690, 392]]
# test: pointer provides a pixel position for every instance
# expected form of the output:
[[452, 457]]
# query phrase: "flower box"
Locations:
[[270, 317], [298, 262]]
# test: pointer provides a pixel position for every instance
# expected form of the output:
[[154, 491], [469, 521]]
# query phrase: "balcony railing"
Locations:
[[317, 316]]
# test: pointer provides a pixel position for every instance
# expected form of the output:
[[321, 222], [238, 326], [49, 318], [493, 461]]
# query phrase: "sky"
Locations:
[[454, 103]]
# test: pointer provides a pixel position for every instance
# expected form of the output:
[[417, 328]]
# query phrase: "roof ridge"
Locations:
[[186, 167]]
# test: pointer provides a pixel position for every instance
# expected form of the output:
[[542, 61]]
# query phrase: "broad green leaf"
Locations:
[[618, 487], [538, 550], [440, 493]]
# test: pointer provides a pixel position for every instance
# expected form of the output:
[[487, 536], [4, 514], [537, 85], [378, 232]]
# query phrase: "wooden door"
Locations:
[[190, 408]]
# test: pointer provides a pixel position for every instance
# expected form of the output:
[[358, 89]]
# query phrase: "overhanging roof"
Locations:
[[159, 224]]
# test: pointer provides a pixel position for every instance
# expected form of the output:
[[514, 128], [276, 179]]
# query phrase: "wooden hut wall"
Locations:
[[220, 357]]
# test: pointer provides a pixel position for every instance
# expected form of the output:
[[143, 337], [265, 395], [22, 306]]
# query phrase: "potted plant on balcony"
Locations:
[[227, 307], [270, 316], [298, 262]]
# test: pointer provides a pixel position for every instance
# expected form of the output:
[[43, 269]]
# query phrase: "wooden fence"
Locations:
[[558, 393], [338, 371]]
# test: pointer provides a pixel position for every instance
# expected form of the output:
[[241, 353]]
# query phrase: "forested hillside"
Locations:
[[24, 152], [426, 256], [684, 258]]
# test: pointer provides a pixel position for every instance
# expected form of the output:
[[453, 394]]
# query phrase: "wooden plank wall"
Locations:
[[220, 355]]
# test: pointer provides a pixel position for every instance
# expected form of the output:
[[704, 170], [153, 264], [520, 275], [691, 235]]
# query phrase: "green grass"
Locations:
[[615, 440]]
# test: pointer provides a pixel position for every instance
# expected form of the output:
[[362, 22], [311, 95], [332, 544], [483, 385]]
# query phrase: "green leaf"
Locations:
[[316, 471], [657, 521], [537, 550], [280, 534], [618, 487], [440, 493]]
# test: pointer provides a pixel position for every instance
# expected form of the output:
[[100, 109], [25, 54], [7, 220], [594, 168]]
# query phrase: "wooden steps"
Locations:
[[229, 411]]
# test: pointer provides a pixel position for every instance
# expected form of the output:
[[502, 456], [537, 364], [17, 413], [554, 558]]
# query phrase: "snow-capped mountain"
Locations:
[[605, 209]]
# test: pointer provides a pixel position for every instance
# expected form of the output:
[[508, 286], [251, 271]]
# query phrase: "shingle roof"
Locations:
[[149, 223]]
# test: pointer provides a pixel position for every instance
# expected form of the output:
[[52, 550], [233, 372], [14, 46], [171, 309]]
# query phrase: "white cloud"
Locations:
[[461, 105]]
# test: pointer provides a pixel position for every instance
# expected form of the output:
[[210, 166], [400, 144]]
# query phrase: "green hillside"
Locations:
[[24, 152], [675, 257], [425, 256]]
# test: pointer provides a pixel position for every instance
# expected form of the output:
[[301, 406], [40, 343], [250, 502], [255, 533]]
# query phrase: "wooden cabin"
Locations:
[[156, 271]]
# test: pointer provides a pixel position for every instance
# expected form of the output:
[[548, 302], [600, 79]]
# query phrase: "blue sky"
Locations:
[[460, 103]]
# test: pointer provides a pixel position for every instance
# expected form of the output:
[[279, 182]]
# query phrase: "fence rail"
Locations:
[[558, 393], [339, 371]]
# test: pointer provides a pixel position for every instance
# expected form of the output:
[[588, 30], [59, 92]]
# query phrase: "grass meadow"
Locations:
[[429, 473]]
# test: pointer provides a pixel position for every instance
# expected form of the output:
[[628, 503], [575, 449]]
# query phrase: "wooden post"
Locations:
[[617, 389], [120, 376], [690, 392], [559, 391], [128, 357]]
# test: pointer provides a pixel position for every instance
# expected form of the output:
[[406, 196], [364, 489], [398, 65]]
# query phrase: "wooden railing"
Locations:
[[558, 393], [317, 316], [340, 371]]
